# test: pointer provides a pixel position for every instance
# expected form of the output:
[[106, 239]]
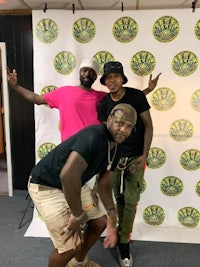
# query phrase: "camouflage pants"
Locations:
[[127, 201]]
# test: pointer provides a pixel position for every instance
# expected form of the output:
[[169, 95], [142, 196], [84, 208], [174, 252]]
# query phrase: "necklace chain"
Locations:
[[110, 161]]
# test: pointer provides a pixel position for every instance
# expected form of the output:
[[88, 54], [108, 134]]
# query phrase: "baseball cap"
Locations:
[[90, 63], [125, 112]]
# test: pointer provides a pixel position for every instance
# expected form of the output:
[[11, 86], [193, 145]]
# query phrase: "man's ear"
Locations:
[[109, 118]]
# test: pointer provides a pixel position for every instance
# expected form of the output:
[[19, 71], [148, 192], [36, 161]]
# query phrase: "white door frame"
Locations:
[[6, 116]]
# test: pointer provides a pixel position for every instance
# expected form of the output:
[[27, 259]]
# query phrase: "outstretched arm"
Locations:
[[27, 94], [152, 84]]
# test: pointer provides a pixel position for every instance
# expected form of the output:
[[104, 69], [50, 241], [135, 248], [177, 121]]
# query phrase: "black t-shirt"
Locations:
[[133, 146], [91, 143]]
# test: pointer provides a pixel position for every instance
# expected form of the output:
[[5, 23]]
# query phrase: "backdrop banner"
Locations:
[[145, 42]]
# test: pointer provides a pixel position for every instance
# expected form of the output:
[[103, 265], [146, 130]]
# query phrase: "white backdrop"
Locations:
[[145, 42]]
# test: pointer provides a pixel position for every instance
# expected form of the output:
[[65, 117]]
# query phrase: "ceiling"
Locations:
[[26, 6]]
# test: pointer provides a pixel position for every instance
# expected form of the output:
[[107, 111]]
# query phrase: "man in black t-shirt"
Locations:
[[128, 178], [55, 186]]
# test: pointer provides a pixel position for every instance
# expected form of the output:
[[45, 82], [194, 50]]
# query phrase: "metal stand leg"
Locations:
[[21, 224]]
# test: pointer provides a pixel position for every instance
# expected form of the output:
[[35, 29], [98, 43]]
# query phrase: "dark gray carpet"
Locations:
[[19, 251]]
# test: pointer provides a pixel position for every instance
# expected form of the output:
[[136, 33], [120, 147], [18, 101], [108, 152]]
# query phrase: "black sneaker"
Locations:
[[125, 258]]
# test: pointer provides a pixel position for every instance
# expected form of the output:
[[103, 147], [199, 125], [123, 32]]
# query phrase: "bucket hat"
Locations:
[[113, 67]]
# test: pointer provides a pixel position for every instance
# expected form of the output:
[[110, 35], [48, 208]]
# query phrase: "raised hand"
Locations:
[[153, 82], [12, 77]]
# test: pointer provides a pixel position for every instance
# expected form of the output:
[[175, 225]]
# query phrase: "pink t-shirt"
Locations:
[[77, 108]]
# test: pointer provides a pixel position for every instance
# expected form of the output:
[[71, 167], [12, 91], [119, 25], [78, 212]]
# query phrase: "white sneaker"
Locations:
[[126, 262], [125, 258], [85, 263]]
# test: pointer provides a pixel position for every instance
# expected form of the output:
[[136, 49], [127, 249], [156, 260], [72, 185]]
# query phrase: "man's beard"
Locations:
[[86, 83]]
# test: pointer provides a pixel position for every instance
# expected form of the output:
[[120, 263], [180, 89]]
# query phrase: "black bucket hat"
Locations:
[[113, 67]]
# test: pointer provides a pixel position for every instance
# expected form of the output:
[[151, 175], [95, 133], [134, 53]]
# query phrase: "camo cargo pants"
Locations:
[[127, 200]]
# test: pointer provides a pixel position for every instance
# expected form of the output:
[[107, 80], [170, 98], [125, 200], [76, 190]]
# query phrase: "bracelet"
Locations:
[[78, 218]]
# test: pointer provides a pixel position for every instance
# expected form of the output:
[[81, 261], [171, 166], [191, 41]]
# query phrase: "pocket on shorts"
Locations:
[[89, 198]]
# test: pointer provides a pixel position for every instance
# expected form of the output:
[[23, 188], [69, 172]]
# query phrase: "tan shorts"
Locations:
[[54, 210]]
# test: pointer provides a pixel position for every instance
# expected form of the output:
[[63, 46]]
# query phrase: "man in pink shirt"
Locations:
[[77, 105]]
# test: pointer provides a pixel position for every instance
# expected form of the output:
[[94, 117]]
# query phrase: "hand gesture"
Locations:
[[153, 82], [12, 77], [75, 229], [138, 164]]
